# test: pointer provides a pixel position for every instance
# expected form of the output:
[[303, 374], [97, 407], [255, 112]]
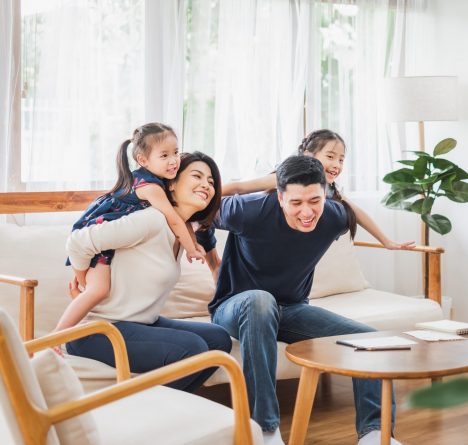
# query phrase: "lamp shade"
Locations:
[[422, 98]]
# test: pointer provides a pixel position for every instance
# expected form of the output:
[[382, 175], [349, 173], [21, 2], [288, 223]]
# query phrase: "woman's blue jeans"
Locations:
[[258, 321], [161, 343]]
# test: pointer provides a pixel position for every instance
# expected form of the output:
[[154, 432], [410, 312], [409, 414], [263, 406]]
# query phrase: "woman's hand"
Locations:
[[73, 289], [80, 277]]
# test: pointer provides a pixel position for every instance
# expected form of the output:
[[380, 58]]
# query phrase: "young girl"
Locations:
[[154, 148], [329, 148]]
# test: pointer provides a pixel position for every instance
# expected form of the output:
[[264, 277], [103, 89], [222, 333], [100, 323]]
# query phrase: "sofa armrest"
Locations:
[[434, 288], [75, 332], [26, 316]]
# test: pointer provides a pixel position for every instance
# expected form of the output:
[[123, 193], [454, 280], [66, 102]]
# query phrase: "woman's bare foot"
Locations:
[[73, 288]]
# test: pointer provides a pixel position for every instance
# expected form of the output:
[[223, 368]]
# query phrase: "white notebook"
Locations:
[[450, 326]]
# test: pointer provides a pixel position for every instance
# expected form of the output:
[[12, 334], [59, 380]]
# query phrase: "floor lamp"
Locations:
[[420, 99]]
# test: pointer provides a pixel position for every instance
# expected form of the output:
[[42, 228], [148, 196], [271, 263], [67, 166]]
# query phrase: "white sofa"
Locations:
[[37, 252]]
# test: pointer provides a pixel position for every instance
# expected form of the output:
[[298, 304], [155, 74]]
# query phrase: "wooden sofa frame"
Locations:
[[43, 202]]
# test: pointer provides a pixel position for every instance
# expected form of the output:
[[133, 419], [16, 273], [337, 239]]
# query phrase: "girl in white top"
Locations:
[[145, 267], [329, 148]]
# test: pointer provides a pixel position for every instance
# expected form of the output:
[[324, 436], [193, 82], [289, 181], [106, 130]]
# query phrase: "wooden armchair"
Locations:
[[32, 421]]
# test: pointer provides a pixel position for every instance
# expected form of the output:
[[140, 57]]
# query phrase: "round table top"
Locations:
[[423, 360]]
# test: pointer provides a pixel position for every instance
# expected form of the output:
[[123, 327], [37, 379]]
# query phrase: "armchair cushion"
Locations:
[[28, 378], [59, 384]]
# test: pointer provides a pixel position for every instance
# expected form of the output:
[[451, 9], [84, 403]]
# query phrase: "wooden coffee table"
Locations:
[[322, 355]]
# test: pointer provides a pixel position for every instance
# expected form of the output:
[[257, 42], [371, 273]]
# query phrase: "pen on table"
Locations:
[[389, 348], [370, 348]]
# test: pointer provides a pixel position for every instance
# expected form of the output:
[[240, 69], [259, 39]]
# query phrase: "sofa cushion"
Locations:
[[36, 252], [27, 377], [338, 271], [59, 384]]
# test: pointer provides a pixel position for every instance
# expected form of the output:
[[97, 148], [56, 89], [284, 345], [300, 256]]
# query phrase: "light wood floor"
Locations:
[[332, 420]]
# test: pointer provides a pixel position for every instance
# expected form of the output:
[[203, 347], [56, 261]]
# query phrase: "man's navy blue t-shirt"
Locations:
[[263, 252]]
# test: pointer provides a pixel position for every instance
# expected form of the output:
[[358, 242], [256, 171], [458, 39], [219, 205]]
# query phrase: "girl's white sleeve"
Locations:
[[127, 231]]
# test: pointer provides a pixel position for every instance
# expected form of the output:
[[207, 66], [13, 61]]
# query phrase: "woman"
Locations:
[[145, 268]]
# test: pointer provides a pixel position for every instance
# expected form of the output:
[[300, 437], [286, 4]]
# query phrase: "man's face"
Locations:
[[302, 205]]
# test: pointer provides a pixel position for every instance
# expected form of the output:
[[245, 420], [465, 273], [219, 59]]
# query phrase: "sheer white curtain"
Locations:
[[254, 97], [355, 45], [10, 32], [86, 93]]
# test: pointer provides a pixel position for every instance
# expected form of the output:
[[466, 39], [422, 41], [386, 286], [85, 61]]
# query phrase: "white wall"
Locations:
[[442, 51]]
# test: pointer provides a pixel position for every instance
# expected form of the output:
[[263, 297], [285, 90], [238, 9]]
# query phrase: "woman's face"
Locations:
[[194, 187]]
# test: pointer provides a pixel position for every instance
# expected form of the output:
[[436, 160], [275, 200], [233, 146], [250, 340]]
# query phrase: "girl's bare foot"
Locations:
[[73, 288]]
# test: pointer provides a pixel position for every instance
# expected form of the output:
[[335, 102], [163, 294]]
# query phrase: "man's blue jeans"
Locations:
[[258, 321]]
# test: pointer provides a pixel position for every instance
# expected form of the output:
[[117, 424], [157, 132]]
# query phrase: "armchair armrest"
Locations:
[[75, 332], [26, 314], [434, 288], [161, 376]]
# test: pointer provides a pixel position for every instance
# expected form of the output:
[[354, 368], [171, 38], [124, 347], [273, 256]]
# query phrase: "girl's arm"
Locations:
[[254, 185], [367, 223], [158, 199]]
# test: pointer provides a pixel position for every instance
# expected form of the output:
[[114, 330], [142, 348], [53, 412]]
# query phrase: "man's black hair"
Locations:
[[303, 170]]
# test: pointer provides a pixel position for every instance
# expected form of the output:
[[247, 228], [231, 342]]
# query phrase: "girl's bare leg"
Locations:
[[97, 288]]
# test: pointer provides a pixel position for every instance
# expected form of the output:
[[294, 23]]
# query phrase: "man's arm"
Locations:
[[127, 231], [214, 263]]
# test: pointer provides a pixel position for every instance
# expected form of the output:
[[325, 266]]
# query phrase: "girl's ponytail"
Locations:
[[352, 223], [124, 175]]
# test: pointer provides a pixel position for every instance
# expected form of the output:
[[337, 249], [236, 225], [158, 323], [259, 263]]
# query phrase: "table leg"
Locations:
[[303, 407], [386, 412]]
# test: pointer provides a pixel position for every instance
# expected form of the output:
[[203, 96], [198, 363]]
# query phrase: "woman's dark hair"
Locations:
[[204, 217], [313, 143], [142, 141]]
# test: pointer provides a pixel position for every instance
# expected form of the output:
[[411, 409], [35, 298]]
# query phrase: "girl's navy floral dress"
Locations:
[[111, 206]]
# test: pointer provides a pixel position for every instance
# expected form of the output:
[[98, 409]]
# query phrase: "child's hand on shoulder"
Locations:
[[197, 254]]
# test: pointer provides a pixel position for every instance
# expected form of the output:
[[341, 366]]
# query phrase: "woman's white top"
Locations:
[[143, 270]]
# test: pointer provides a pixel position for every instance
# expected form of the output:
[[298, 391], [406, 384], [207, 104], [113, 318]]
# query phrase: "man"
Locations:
[[265, 277]]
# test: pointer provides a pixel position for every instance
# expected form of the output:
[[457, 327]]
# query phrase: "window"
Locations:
[[82, 86]]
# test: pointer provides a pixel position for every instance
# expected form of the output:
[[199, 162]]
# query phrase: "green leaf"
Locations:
[[428, 181], [427, 205], [438, 223], [447, 183], [397, 186], [418, 153], [440, 395], [461, 174], [445, 146], [416, 206], [394, 200], [459, 192], [407, 162], [402, 175], [420, 167], [443, 164]]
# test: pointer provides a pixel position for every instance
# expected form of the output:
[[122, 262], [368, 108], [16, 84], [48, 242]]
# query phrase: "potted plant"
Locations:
[[416, 187]]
